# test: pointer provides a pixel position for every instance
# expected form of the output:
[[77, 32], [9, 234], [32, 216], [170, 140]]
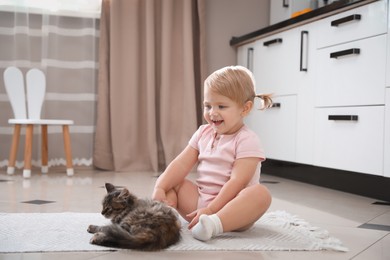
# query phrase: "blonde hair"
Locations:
[[236, 83]]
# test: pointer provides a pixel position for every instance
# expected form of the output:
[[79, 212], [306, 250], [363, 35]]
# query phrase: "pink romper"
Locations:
[[216, 163]]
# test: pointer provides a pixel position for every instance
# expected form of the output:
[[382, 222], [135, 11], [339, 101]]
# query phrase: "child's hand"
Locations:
[[195, 215]]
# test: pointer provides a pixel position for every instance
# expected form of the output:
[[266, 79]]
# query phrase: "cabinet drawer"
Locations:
[[350, 138], [276, 128], [352, 79], [358, 23]]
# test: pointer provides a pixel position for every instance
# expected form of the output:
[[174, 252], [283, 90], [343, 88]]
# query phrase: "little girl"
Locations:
[[227, 195]]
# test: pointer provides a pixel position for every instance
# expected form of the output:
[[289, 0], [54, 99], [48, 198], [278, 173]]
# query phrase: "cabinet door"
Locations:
[[352, 74], [304, 80], [350, 138], [387, 135], [276, 128], [388, 55], [278, 62]]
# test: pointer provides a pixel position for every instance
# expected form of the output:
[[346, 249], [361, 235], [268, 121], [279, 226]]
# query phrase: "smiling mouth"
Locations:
[[217, 122]]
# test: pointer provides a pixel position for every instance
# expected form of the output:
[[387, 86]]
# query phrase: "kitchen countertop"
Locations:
[[316, 14]]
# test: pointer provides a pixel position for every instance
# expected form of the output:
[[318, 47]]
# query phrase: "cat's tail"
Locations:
[[145, 241]]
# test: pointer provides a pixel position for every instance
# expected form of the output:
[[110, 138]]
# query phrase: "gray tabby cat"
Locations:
[[136, 223]]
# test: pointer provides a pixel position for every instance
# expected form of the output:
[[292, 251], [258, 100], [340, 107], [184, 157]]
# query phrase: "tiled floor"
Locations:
[[363, 224]]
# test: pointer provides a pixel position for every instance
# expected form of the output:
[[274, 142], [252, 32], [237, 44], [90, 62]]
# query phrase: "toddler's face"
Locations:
[[222, 113]]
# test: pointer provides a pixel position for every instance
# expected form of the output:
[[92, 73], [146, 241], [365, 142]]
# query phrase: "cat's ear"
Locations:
[[124, 194], [109, 187]]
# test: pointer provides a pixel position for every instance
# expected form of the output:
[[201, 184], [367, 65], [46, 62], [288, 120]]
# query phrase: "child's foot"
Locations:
[[207, 227]]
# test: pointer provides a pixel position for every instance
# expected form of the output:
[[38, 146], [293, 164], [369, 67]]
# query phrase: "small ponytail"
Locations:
[[266, 101]]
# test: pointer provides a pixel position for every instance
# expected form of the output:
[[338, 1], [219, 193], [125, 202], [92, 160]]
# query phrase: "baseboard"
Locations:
[[367, 185]]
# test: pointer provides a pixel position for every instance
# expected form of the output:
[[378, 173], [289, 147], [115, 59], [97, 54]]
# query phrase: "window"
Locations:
[[77, 8]]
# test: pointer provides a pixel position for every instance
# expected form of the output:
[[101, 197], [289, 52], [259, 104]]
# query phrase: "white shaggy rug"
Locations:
[[48, 232]]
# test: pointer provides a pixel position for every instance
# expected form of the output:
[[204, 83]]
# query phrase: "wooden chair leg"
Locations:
[[28, 151], [68, 150], [14, 149], [45, 151]]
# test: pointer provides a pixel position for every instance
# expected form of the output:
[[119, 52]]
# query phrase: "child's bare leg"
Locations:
[[184, 198], [237, 215], [245, 209]]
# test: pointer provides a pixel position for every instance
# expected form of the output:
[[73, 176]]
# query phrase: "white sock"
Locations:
[[207, 227]]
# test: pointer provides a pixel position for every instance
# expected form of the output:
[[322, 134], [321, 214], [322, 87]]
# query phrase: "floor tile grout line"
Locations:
[[369, 246], [387, 212]]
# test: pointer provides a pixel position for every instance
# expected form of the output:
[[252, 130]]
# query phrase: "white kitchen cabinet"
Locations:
[[271, 125], [352, 74], [281, 10], [350, 138], [283, 67], [350, 90], [329, 77], [331, 123]]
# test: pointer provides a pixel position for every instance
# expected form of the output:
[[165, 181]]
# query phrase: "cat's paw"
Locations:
[[97, 238], [92, 229]]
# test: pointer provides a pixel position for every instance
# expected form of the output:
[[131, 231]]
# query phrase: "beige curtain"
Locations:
[[150, 80]]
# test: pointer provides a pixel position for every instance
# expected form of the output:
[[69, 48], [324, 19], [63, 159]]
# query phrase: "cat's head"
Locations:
[[116, 200]]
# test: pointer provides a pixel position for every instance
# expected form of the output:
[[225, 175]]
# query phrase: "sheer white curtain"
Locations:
[[62, 40]]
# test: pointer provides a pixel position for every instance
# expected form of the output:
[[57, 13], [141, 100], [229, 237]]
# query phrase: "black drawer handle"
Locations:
[[354, 17], [301, 68], [285, 3], [277, 40], [343, 117], [249, 57], [276, 105], [337, 54]]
